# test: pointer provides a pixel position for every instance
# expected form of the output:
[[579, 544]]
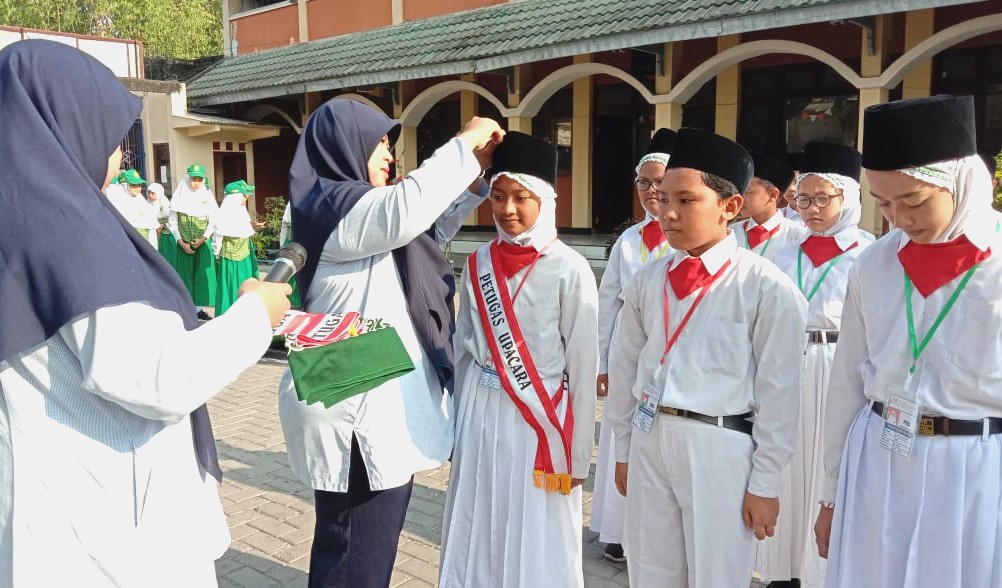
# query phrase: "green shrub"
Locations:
[[266, 238]]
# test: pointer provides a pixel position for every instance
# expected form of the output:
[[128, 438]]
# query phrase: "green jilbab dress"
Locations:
[[234, 244], [198, 270], [192, 212]]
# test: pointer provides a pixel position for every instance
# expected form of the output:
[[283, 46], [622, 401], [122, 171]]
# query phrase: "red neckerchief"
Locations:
[[513, 258], [822, 249], [932, 265], [653, 235], [759, 234], [688, 276]]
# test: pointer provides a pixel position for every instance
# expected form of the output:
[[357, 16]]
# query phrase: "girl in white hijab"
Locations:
[[524, 487], [913, 452], [191, 222], [828, 201], [232, 244]]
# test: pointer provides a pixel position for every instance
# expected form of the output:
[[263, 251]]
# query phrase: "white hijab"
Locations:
[[970, 183], [233, 219], [544, 231], [137, 211], [656, 157], [199, 203], [852, 209]]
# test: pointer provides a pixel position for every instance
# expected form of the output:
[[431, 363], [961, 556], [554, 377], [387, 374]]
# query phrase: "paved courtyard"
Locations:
[[270, 513]]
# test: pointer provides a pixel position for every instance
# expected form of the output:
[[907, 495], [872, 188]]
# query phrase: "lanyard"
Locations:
[[643, 251], [824, 274], [532, 266], [670, 342], [917, 348]]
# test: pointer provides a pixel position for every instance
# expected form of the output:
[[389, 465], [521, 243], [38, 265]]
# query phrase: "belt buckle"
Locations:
[[926, 426], [670, 410]]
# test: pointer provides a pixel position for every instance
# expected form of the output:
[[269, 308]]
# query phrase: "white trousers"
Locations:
[[685, 493]]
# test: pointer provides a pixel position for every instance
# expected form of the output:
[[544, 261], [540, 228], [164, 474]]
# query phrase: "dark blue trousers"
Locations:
[[355, 540]]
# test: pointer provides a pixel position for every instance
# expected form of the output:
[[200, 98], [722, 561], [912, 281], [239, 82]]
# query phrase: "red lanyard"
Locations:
[[532, 266], [670, 342]]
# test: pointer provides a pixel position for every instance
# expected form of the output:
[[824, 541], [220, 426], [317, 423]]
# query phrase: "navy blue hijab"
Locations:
[[329, 176], [65, 251]]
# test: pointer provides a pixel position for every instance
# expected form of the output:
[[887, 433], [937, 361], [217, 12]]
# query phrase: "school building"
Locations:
[[596, 77]]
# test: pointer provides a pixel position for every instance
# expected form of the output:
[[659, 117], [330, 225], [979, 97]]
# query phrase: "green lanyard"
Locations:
[[917, 349], [824, 274]]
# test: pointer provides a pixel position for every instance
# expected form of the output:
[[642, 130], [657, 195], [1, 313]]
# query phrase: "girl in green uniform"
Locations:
[[233, 245], [191, 221]]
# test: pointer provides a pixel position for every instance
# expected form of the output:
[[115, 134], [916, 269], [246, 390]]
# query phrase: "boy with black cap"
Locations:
[[526, 360], [765, 229], [914, 410], [686, 377], [640, 244]]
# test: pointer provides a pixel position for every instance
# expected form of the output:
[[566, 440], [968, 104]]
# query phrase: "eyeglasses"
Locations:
[[821, 199], [644, 184]]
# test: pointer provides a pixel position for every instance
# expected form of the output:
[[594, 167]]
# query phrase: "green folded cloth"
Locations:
[[339, 370]]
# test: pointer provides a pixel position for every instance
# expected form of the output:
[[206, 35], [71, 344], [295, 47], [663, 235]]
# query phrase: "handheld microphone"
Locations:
[[290, 260]]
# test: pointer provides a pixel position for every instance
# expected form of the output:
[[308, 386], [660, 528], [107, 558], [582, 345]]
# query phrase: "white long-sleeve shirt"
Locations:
[[97, 464], [824, 310], [788, 233], [734, 356], [557, 311], [959, 375], [628, 255], [403, 426]]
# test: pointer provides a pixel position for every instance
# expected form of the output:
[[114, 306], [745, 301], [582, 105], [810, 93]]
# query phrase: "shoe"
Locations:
[[614, 553], [203, 316]]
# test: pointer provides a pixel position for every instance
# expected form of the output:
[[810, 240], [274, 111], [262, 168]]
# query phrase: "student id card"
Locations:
[[489, 376], [647, 408], [901, 417]]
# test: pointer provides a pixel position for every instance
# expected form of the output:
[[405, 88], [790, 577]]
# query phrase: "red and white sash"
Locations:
[[519, 377]]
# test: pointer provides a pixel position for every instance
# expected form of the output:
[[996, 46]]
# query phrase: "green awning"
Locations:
[[508, 34]]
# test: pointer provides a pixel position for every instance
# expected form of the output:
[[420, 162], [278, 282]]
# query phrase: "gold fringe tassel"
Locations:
[[552, 482]]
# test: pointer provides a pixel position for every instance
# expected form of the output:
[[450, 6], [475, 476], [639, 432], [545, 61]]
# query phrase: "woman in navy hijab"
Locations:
[[108, 471], [374, 249]]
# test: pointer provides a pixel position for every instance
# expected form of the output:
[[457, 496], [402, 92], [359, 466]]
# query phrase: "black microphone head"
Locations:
[[295, 253]]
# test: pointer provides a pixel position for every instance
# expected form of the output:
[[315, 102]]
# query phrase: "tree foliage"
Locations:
[[182, 29]]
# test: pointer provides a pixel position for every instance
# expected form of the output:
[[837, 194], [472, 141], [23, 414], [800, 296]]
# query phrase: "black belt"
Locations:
[[738, 422], [938, 425], [822, 337]]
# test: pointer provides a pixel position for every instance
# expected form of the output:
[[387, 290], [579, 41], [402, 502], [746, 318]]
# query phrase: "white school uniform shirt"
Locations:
[[404, 425], [824, 310], [629, 254], [98, 473], [732, 357], [789, 233], [959, 375], [790, 213]]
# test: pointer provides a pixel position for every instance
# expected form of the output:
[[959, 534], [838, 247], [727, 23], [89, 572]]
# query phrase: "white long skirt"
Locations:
[[609, 506], [932, 521], [792, 552], [500, 530]]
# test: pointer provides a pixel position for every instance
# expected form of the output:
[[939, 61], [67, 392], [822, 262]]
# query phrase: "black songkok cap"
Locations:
[[909, 133], [663, 141], [713, 154], [831, 158], [772, 170], [525, 154]]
